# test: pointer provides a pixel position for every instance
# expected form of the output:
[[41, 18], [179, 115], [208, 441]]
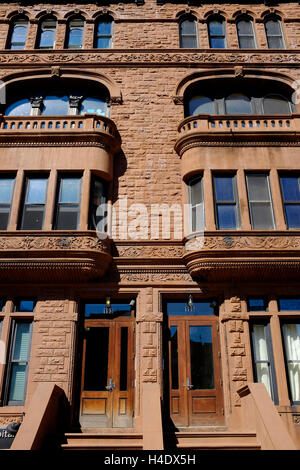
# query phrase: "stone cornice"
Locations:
[[151, 56]]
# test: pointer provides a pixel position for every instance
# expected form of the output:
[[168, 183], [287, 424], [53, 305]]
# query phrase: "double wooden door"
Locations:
[[107, 374], [194, 372]]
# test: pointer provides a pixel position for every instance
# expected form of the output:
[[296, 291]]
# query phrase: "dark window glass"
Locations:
[[75, 34], [276, 104], [257, 304], [18, 363], [32, 216], [47, 34], [216, 32], [290, 189], [226, 202], [98, 212], [291, 340], [203, 307], [245, 33], [174, 358], [123, 358], [96, 355], [68, 203], [196, 203], [274, 33], [237, 103], [25, 305], [98, 309], [94, 106], [103, 33], [201, 105], [55, 106], [289, 304], [18, 34], [201, 355], [263, 362], [2, 304], [188, 33], [6, 194], [260, 201]]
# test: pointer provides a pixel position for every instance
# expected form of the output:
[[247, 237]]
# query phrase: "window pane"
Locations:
[[201, 355], [55, 106], [188, 26], [18, 381], [257, 305], [123, 358], [292, 214], [26, 305], [196, 193], [291, 334], [197, 204], [22, 342], [216, 28], [97, 310], [188, 42], [19, 108], [274, 104], [174, 358], [238, 104], [2, 304], [94, 106], [103, 43], [260, 343], [273, 27], [262, 216], [246, 42], [97, 342], [201, 105], [104, 27], [6, 190], [289, 304], [205, 307], [258, 188], [47, 38], [98, 198], [70, 190], [216, 43], [224, 188], [226, 216], [36, 191], [245, 27], [275, 43], [290, 188], [67, 218]]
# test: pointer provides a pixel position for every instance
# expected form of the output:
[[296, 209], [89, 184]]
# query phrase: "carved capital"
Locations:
[[116, 100], [178, 100]]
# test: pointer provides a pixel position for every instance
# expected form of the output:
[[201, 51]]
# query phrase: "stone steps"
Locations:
[[103, 441]]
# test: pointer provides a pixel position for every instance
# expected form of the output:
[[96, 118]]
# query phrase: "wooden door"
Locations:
[[195, 392], [107, 374]]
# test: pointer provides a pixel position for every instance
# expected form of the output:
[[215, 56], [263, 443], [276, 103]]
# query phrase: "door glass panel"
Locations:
[[174, 358], [123, 358], [201, 352], [96, 359]]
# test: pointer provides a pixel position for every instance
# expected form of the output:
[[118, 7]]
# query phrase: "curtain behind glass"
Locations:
[[291, 334]]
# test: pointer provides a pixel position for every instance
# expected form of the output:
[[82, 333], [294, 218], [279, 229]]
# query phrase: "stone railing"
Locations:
[[57, 124]]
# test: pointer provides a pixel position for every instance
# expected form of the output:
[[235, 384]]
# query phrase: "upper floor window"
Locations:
[[260, 201], [6, 193], [201, 105], [98, 198], [18, 33], [196, 203], [237, 103], [226, 202], [217, 33], [188, 36], [276, 104], [274, 33], [68, 203], [245, 32], [104, 33], [291, 340], [34, 203], [75, 30], [290, 189], [47, 32]]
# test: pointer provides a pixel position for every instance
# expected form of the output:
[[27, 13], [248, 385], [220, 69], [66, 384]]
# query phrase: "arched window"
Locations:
[[188, 36], [94, 106], [201, 105], [104, 33], [18, 33], [55, 105], [19, 108], [237, 103], [276, 104], [74, 39], [274, 33], [245, 32], [217, 33], [47, 32]]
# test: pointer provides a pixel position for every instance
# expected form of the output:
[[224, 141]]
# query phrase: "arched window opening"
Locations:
[[75, 34], [188, 36], [104, 33], [217, 33], [276, 104], [201, 105], [274, 33], [245, 32], [57, 98], [18, 33], [47, 33], [237, 103]]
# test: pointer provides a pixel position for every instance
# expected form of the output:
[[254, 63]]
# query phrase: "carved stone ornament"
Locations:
[[116, 100], [36, 102], [55, 71], [178, 100], [74, 101], [238, 71]]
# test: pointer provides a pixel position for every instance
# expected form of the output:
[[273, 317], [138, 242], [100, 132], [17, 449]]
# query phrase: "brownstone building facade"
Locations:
[[173, 128]]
